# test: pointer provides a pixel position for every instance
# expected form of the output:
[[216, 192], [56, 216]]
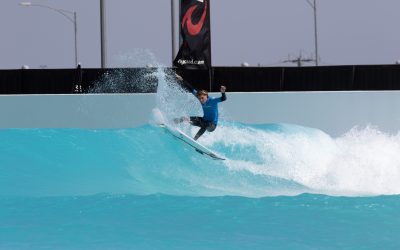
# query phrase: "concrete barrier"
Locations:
[[332, 112]]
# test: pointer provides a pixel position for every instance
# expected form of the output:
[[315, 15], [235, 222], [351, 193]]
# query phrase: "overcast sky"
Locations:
[[264, 32]]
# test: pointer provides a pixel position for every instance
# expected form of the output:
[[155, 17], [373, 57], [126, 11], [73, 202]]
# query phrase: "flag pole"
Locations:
[[173, 30]]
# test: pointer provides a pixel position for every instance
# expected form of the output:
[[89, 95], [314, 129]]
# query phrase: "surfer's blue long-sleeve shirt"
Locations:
[[210, 107]]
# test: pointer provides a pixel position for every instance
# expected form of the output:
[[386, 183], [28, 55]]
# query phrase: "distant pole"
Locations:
[[314, 7], [173, 29], [103, 41]]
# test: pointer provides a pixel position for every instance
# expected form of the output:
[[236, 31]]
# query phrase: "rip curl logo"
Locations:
[[194, 29]]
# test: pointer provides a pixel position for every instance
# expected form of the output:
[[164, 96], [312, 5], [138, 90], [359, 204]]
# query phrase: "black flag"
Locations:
[[195, 50]]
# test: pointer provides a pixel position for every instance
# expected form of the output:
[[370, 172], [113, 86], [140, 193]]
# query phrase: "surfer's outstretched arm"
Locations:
[[185, 84]]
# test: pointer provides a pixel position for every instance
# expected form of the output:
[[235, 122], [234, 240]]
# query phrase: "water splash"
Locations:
[[360, 162], [172, 100], [135, 74]]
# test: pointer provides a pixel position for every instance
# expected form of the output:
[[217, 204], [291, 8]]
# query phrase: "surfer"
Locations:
[[209, 104]]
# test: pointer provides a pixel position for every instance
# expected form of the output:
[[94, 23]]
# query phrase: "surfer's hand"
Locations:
[[223, 89], [178, 77]]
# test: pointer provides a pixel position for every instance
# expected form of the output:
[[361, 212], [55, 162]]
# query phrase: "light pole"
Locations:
[[66, 14], [173, 28], [314, 7], [103, 40]]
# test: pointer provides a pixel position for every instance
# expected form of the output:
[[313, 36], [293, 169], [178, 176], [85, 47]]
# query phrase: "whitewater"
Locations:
[[283, 186]]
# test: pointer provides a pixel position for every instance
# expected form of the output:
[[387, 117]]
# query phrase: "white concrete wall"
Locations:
[[332, 112]]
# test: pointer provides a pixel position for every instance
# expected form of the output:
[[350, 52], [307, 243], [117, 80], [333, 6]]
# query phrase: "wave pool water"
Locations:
[[283, 187]]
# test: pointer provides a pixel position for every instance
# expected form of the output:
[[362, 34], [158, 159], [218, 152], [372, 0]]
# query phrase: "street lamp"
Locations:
[[66, 14], [314, 7]]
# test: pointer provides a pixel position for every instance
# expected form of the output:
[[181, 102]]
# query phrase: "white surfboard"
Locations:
[[191, 142]]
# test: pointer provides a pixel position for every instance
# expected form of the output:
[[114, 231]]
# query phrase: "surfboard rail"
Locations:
[[190, 141]]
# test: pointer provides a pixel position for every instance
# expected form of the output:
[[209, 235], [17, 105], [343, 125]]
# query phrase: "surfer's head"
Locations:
[[202, 95]]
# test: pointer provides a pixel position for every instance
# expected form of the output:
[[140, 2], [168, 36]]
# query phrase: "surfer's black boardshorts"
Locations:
[[203, 124]]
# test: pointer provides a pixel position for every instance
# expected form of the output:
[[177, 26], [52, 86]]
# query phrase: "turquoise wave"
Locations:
[[143, 160], [262, 160]]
